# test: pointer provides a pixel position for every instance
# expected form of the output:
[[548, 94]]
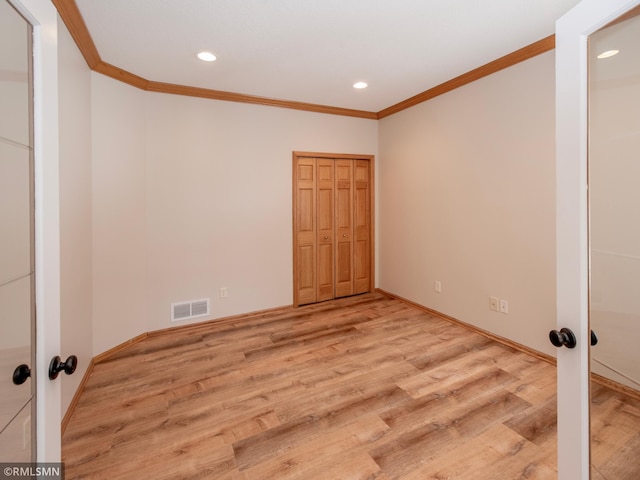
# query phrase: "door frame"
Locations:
[[336, 156], [44, 19], [572, 253]]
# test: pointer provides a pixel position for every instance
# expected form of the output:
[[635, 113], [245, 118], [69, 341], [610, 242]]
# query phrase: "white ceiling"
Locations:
[[314, 50]]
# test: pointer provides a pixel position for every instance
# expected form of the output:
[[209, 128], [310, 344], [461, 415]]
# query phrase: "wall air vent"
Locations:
[[191, 309]]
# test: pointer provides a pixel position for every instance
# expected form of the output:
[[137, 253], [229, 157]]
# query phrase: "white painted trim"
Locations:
[[572, 32], [43, 17]]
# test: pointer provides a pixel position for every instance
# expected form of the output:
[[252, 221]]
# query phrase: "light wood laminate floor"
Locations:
[[366, 387]]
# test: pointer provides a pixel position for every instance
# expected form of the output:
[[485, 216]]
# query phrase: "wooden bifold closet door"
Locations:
[[332, 226]]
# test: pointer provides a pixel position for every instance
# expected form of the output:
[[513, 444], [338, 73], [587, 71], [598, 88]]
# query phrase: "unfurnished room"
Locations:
[[304, 239]]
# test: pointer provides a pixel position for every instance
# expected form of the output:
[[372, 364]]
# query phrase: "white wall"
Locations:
[[467, 197], [74, 83], [118, 212], [191, 195]]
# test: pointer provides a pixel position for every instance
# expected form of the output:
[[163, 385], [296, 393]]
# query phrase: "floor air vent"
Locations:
[[187, 310]]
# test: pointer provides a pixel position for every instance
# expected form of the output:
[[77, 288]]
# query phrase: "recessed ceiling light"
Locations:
[[608, 53], [360, 85], [207, 57]]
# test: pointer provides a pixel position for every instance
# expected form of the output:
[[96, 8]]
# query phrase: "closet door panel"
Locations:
[[305, 258], [344, 227], [306, 277], [362, 228], [325, 239]]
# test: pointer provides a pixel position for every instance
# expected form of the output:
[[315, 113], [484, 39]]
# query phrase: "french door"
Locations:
[[29, 258], [572, 227], [17, 275]]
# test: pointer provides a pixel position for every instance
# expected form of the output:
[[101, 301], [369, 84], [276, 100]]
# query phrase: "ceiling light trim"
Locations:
[[206, 56], [608, 54]]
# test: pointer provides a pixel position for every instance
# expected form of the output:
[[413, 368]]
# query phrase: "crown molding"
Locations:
[[70, 15], [525, 53], [174, 89], [122, 75], [72, 18]]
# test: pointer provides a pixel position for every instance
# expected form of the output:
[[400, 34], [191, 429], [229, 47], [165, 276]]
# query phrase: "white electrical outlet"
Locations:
[[437, 286], [494, 304], [223, 292], [504, 306]]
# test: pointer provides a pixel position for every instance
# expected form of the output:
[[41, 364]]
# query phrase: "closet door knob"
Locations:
[[326, 237]]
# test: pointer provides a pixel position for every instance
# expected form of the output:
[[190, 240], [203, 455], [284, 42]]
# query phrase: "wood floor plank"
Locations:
[[614, 424], [253, 450], [537, 424], [365, 387], [444, 431], [618, 465], [444, 399], [496, 454], [334, 450], [450, 372]]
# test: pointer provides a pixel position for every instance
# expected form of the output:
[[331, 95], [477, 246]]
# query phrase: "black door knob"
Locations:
[[57, 365], [594, 338], [562, 338], [21, 373]]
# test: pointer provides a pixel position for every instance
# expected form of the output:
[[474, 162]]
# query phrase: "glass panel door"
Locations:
[[614, 244], [573, 31], [16, 239]]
